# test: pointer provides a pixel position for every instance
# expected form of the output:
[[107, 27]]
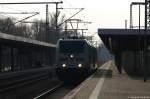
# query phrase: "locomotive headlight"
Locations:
[[63, 65], [80, 65], [71, 56]]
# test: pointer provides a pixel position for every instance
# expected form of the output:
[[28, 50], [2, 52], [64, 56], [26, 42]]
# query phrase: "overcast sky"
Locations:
[[106, 13], [103, 13]]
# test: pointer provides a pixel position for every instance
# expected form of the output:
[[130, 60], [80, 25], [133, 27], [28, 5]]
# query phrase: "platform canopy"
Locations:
[[12, 39], [123, 39]]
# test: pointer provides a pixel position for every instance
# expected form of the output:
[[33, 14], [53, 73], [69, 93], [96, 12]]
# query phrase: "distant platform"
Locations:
[[21, 40], [123, 39]]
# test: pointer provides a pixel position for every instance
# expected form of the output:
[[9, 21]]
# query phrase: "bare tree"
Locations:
[[39, 28], [23, 30], [7, 25], [36, 30]]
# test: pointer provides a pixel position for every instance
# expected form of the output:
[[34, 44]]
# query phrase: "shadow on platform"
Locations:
[[133, 73]]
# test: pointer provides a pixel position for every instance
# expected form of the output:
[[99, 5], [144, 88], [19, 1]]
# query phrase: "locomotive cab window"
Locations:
[[71, 47]]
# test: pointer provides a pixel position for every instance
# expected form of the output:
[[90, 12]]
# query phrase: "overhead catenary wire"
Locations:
[[18, 12], [26, 18], [71, 16]]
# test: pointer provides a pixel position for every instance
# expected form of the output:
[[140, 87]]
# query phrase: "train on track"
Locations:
[[75, 59]]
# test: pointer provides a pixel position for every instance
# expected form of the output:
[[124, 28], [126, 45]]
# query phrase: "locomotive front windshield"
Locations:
[[71, 46]]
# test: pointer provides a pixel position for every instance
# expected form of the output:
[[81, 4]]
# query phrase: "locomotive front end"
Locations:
[[71, 59]]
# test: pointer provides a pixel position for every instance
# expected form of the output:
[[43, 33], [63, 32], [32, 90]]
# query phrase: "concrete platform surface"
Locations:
[[107, 83]]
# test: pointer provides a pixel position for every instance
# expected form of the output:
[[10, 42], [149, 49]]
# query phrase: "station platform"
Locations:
[[107, 83]]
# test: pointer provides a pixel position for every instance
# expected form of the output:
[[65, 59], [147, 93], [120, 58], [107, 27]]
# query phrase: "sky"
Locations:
[[106, 13], [102, 13]]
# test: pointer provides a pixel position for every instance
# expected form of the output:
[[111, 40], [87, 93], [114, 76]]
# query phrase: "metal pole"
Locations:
[[56, 16], [66, 30], [125, 24], [145, 42], [82, 33], [139, 17], [131, 17], [139, 40], [56, 20], [47, 23], [131, 21]]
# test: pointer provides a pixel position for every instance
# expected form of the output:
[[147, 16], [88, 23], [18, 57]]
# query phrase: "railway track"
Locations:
[[22, 82], [19, 79], [26, 88], [48, 92], [57, 92]]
